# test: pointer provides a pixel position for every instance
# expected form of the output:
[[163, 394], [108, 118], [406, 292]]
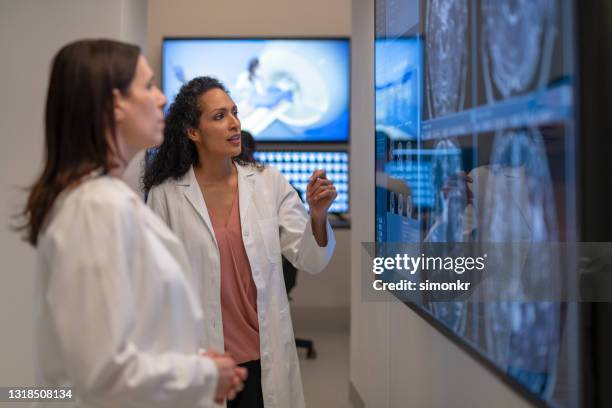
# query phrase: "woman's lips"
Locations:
[[235, 140]]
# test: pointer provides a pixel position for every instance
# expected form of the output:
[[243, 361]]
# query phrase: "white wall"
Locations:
[[243, 18], [331, 288], [397, 359], [30, 33], [369, 355]]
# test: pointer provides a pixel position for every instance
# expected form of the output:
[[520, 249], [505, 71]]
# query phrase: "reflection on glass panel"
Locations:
[[474, 129], [403, 180]]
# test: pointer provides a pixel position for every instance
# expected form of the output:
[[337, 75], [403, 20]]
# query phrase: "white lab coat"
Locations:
[[273, 221], [115, 318]]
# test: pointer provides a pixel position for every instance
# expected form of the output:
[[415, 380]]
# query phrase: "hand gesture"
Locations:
[[458, 185], [320, 193]]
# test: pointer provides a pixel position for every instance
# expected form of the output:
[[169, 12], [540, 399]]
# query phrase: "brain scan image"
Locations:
[[517, 208], [517, 41], [522, 338], [446, 54], [517, 202], [446, 222]]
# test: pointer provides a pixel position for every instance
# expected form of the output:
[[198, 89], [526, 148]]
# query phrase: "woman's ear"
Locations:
[[118, 106], [192, 134]]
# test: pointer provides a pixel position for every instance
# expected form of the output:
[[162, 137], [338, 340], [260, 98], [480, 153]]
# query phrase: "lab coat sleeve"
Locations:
[[156, 201], [90, 296], [298, 244]]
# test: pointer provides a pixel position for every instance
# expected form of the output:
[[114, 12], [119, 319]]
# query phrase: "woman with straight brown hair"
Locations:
[[116, 319]]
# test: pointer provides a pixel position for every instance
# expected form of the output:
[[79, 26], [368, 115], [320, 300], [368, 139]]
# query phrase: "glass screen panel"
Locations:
[[475, 142]]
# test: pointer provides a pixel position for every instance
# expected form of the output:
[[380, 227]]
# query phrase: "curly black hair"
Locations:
[[178, 153]]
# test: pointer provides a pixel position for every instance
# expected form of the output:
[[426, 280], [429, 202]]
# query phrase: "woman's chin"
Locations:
[[154, 140]]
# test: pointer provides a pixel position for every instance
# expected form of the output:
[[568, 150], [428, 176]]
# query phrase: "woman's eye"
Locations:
[[149, 85], [219, 116]]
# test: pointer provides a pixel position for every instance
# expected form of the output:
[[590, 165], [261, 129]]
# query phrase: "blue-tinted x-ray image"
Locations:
[[285, 90], [297, 167]]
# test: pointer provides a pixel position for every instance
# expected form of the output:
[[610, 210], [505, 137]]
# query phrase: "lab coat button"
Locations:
[[246, 233]]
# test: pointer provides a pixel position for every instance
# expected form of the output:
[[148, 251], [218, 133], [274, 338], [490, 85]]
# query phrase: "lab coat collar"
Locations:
[[194, 195], [196, 199]]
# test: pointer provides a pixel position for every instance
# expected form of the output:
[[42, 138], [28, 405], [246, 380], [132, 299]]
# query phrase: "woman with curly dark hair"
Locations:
[[174, 157], [236, 218]]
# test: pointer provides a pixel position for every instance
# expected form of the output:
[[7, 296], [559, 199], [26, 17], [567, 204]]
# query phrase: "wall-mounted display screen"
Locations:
[[286, 90], [297, 167], [475, 142]]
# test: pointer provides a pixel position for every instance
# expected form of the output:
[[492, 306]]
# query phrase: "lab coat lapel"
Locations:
[[196, 199], [246, 183]]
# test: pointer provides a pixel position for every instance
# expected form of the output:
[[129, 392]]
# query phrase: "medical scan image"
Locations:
[[515, 206], [517, 40], [446, 55], [489, 165]]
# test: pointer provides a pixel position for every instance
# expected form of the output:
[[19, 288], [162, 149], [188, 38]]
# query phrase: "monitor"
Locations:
[[476, 143], [298, 166], [286, 90]]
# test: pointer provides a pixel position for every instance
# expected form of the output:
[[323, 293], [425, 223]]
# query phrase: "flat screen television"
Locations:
[[297, 166], [286, 90], [493, 125]]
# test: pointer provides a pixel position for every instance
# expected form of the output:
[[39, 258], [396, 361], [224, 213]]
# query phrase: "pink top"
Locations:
[[238, 291]]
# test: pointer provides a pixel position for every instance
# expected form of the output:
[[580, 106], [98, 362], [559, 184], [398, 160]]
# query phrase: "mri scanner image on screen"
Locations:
[[286, 90], [475, 144]]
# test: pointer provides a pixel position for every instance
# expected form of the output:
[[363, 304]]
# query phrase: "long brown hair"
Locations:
[[78, 117]]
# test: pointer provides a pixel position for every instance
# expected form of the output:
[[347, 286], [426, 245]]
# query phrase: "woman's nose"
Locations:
[[161, 98], [235, 122]]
